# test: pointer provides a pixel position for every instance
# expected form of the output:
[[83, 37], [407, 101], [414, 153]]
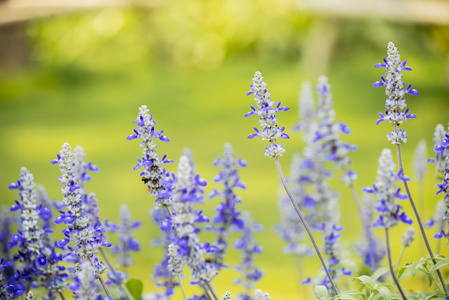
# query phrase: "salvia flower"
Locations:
[[396, 111], [7, 289], [439, 218], [85, 286], [226, 296], [189, 191], [306, 111], [174, 262], [443, 187], [260, 295], [29, 237], [162, 275], [441, 153], [5, 233], [331, 236], [372, 252], [420, 161], [87, 239], [153, 171], [327, 134], [386, 190], [126, 244], [250, 274], [228, 216], [408, 237], [266, 109]]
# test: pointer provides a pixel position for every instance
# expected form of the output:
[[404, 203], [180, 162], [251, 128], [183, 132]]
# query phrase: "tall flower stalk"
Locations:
[[390, 212], [228, 217], [86, 238], [396, 112], [250, 274], [189, 191], [153, 173], [266, 109]]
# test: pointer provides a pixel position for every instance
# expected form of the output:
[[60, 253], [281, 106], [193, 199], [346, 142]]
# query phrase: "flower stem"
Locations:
[[421, 227], [304, 222], [400, 258], [390, 263], [103, 284], [206, 292], [122, 285], [61, 295], [182, 287], [212, 290]]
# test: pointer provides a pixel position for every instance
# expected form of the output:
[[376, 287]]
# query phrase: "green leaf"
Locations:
[[378, 273], [346, 297], [320, 291], [367, 281], [349, 295], [135, 287], [401, 271], [385, 292], [439, 265]]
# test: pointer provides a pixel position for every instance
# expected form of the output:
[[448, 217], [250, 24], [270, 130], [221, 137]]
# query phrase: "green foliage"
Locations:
[[376, 290], [135, 287]]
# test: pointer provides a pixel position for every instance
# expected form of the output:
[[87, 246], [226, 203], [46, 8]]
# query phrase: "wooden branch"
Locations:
[[430, 12], [24, 10]]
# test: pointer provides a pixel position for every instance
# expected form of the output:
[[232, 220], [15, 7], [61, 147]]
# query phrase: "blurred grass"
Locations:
[[92, 102]]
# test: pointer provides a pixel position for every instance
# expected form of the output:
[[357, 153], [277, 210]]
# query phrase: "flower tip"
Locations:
[[378, 84]]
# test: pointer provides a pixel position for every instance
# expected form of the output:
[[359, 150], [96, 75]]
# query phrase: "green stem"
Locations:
[[100, 278], [306, 226], [182, 287], [61, 295], [421, 227], [400, 258], [390, 263], [122, 285], [212, 290]]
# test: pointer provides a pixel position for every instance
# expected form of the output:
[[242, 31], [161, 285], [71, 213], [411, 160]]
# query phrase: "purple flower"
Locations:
[[126, 244], [331, 236], [228, 217], [250, 274], [189, 191], [443, 187], [266, 110], [327, 133], [396, 112], [153, 173], [86, 237], [386, 191]]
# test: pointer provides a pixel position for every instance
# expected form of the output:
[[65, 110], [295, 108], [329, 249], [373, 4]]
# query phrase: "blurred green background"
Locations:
[[79, 76]]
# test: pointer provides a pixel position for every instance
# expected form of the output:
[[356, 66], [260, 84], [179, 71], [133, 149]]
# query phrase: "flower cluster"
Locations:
[[331, 236], [266, 111], [84, 285], [250, 274], [408, 237], [153, 171], [29, 237], [227, 217], [395, 107], [386, 190], [443, 187], [328, 132], [87, 238], [189, 191], [126, 243]]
